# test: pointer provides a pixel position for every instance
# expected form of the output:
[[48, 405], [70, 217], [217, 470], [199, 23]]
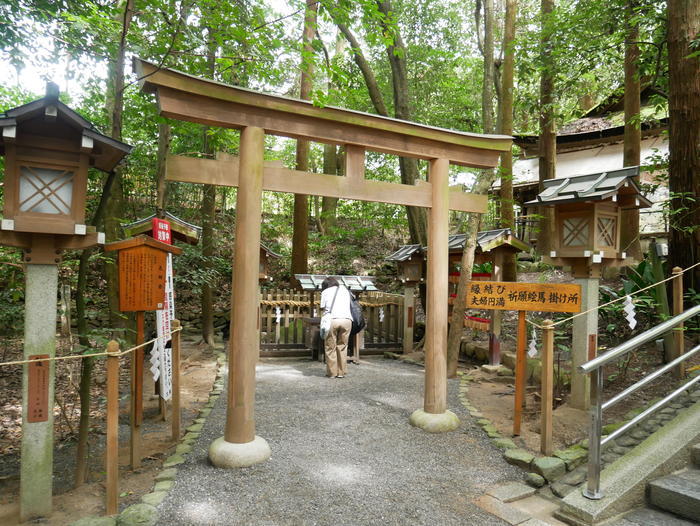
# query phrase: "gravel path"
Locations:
[[343, 453]]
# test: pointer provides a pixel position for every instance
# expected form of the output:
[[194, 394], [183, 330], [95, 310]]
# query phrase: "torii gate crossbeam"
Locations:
[[183, 97]]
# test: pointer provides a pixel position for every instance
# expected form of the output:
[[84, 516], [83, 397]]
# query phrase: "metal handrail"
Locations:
[[638, 340], [593, 367]]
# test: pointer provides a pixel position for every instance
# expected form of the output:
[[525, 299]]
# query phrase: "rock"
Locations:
[[504, 371], [166, 474], [491, 431], [183, 448], [138, 515], [491, 369], [609, 428], [155, 498], [561, 490], [484, 422], [476, 414], [163, 485], [94, 520], [518, 457], [195, 428], [575, 477], [173, 460], [508, 359], [535, 480], [627, 441], [481, 354], [573, 456], [551, 468], [504, 443]]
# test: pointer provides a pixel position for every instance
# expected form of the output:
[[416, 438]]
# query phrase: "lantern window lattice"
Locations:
[[45, 191]]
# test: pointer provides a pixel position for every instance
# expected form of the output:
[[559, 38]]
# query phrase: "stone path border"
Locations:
[[145, 512]]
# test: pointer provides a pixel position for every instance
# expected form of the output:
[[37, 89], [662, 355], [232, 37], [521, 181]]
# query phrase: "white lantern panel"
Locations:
[[45, 191], [575, 231]]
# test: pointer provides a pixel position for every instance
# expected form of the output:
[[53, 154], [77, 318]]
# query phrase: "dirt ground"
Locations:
[[198, 374]]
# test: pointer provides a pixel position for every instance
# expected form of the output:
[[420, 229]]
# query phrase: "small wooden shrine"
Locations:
[[181, 229]]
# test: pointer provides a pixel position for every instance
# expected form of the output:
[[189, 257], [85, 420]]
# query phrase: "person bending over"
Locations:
[[335, 299]]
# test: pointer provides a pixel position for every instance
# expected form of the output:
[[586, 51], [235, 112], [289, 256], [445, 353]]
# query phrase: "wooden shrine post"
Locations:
[[184, 97], [142, 269]]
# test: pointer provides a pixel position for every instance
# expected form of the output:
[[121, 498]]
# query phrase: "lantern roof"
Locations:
[[595, 187], [181, 229], [106, 152], [403, 253], [356, 283], [269, 252], [486, 241]]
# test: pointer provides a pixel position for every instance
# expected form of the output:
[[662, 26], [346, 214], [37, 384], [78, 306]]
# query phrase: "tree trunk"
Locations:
[[300, 235], [329, 205], [629, 235], [161, 184], [396, 52], [481, 186], [684, 137], [87, 363], [548, 136], [506, 120]]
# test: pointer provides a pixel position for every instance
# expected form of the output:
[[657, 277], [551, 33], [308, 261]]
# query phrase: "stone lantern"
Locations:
[[48, 149], [587, 212]]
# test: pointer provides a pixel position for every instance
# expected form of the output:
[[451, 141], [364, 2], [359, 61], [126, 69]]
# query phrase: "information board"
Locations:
[[38, 390], [508, 295], [141, 279]]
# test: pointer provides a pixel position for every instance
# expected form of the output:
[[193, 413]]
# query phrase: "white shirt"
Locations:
[[341, 307]]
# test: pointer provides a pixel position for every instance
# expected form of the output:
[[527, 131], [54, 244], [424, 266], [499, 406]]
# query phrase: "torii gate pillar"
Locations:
[[240, 447], [435, 417]]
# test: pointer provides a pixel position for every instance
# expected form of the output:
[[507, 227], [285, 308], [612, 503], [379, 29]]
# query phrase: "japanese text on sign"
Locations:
[[161, 231], [503, 295]]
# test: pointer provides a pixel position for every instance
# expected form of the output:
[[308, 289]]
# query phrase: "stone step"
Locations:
[[648, 517], [678, 493]]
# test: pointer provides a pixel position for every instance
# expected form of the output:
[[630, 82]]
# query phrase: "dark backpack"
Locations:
[[358, 320]]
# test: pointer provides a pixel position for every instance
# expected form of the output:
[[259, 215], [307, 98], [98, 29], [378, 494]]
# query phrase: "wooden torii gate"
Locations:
[[184, 97]]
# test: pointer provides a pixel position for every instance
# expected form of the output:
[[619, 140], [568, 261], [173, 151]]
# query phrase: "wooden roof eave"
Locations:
[[182, 96]]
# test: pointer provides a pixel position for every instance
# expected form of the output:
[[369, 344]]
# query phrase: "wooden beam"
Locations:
[[278, 179], [186, 97]]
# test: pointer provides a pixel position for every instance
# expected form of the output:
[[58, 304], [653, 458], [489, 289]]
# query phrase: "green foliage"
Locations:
[[193, 270], [11, 292]]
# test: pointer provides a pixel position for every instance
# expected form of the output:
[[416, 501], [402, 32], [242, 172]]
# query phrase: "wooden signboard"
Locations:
[[141, 279], [505, 295], [38, 391]]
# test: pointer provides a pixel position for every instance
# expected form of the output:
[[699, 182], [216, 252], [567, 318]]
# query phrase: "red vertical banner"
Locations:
[[161, 231]]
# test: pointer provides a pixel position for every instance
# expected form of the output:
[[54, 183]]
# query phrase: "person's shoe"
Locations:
[[340, 376]]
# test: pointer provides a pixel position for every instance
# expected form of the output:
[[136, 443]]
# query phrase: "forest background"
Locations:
[[506, 66]]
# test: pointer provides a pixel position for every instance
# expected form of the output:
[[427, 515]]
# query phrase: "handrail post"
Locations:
[[112, 449], [592, 490], [678, 342], [175, 402]]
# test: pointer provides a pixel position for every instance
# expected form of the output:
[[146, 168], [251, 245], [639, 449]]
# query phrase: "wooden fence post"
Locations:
[[175, 402], [112, 449], [520, 373], [547, 387], [678, 343]]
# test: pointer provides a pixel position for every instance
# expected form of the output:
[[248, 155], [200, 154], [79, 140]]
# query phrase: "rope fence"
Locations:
[[622, 298], [81, 356]]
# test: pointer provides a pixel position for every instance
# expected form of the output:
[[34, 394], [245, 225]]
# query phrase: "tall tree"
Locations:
[[632, 148], [506, 120], [481, 186], [548, 135], [300, 237], [684, 137], [208, 210], [115, 204]]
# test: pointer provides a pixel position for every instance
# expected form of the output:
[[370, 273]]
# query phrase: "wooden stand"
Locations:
[[678, 343], [520, 372], [136, 396], [547, 387], [175, 402]]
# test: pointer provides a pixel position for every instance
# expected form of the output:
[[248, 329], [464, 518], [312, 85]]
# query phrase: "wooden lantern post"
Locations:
[[142, 268], [48, 148], [587, 213]]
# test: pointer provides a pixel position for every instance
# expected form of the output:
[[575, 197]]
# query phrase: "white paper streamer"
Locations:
[[629, 312], [532, 349], [381, 314], [278, 314]]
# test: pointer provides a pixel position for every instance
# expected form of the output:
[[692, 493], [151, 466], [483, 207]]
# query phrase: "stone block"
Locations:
[[163, 485], [573, 456], [166, 474], [173, 460], [94, 520], [511, 491], [501, 510], [535, 480], [154, 498], [519, 457], [551, 468], [678, 493], [504, 443], [138, 515]]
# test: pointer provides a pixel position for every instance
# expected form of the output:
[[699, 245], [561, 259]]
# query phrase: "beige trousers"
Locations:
[[337, 347]]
